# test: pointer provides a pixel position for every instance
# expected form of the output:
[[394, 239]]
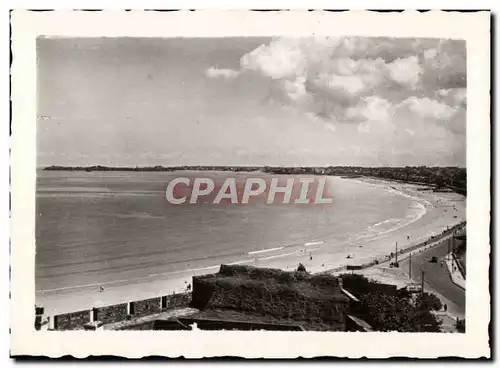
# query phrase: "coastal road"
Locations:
[[436, 277]]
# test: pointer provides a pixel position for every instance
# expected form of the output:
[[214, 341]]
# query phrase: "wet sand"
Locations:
[[439, 211]]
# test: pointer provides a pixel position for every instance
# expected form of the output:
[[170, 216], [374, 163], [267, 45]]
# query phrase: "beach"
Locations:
[[433, 213]]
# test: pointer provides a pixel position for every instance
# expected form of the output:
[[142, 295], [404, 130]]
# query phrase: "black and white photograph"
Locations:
[[301, 183]]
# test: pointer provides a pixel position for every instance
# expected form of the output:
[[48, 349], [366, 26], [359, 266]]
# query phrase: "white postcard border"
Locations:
[[27, 26]]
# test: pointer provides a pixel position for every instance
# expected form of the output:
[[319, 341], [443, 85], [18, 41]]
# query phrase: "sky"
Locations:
[[315, 101]]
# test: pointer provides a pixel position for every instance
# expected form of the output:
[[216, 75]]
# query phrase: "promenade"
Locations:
[[454, 271], [436, 276]]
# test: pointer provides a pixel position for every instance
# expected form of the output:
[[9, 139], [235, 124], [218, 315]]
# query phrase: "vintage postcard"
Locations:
[[236, 183]]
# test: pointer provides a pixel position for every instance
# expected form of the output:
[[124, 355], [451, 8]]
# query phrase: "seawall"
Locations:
[[118, 312]]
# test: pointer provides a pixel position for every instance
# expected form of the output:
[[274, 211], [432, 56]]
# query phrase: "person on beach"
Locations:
[[101, 288]]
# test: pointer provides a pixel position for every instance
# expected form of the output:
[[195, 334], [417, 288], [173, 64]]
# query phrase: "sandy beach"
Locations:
[[436, 213]]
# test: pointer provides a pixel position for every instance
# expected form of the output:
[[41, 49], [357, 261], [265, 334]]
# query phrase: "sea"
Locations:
[[101, 227]]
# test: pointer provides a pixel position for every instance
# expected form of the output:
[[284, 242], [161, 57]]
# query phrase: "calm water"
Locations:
[[98, 227]]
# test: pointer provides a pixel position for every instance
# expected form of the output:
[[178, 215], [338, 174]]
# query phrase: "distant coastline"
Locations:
[[440, 178]]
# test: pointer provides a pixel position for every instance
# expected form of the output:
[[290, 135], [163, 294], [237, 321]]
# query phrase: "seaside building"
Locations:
[[241, 298], [315, 302]]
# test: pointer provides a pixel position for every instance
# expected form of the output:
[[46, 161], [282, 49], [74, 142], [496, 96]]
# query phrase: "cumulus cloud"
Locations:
[[427, 108], [295, 89], [406, 71], [221, 73], [445, 65], [371, 108], [364, 127], [453, 96], [347, 79], [281, 59], [377, 83]]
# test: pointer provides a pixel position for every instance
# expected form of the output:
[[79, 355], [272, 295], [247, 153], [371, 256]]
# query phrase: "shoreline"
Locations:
[[336, 171], [327, 257]]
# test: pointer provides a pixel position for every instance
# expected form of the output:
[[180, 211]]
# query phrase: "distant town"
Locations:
[[442, 178], [248, 297]]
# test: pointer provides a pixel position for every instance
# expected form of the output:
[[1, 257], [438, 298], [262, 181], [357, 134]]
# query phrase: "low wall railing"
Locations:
[[118, 312]]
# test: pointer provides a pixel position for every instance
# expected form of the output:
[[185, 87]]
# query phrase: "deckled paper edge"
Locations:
[[26, 26]]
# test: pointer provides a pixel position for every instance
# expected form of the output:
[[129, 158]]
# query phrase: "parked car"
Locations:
[[414, 287], [433, 259], [93, 326]]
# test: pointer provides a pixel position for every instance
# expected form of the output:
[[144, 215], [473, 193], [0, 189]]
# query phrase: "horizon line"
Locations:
[[246, 166]]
